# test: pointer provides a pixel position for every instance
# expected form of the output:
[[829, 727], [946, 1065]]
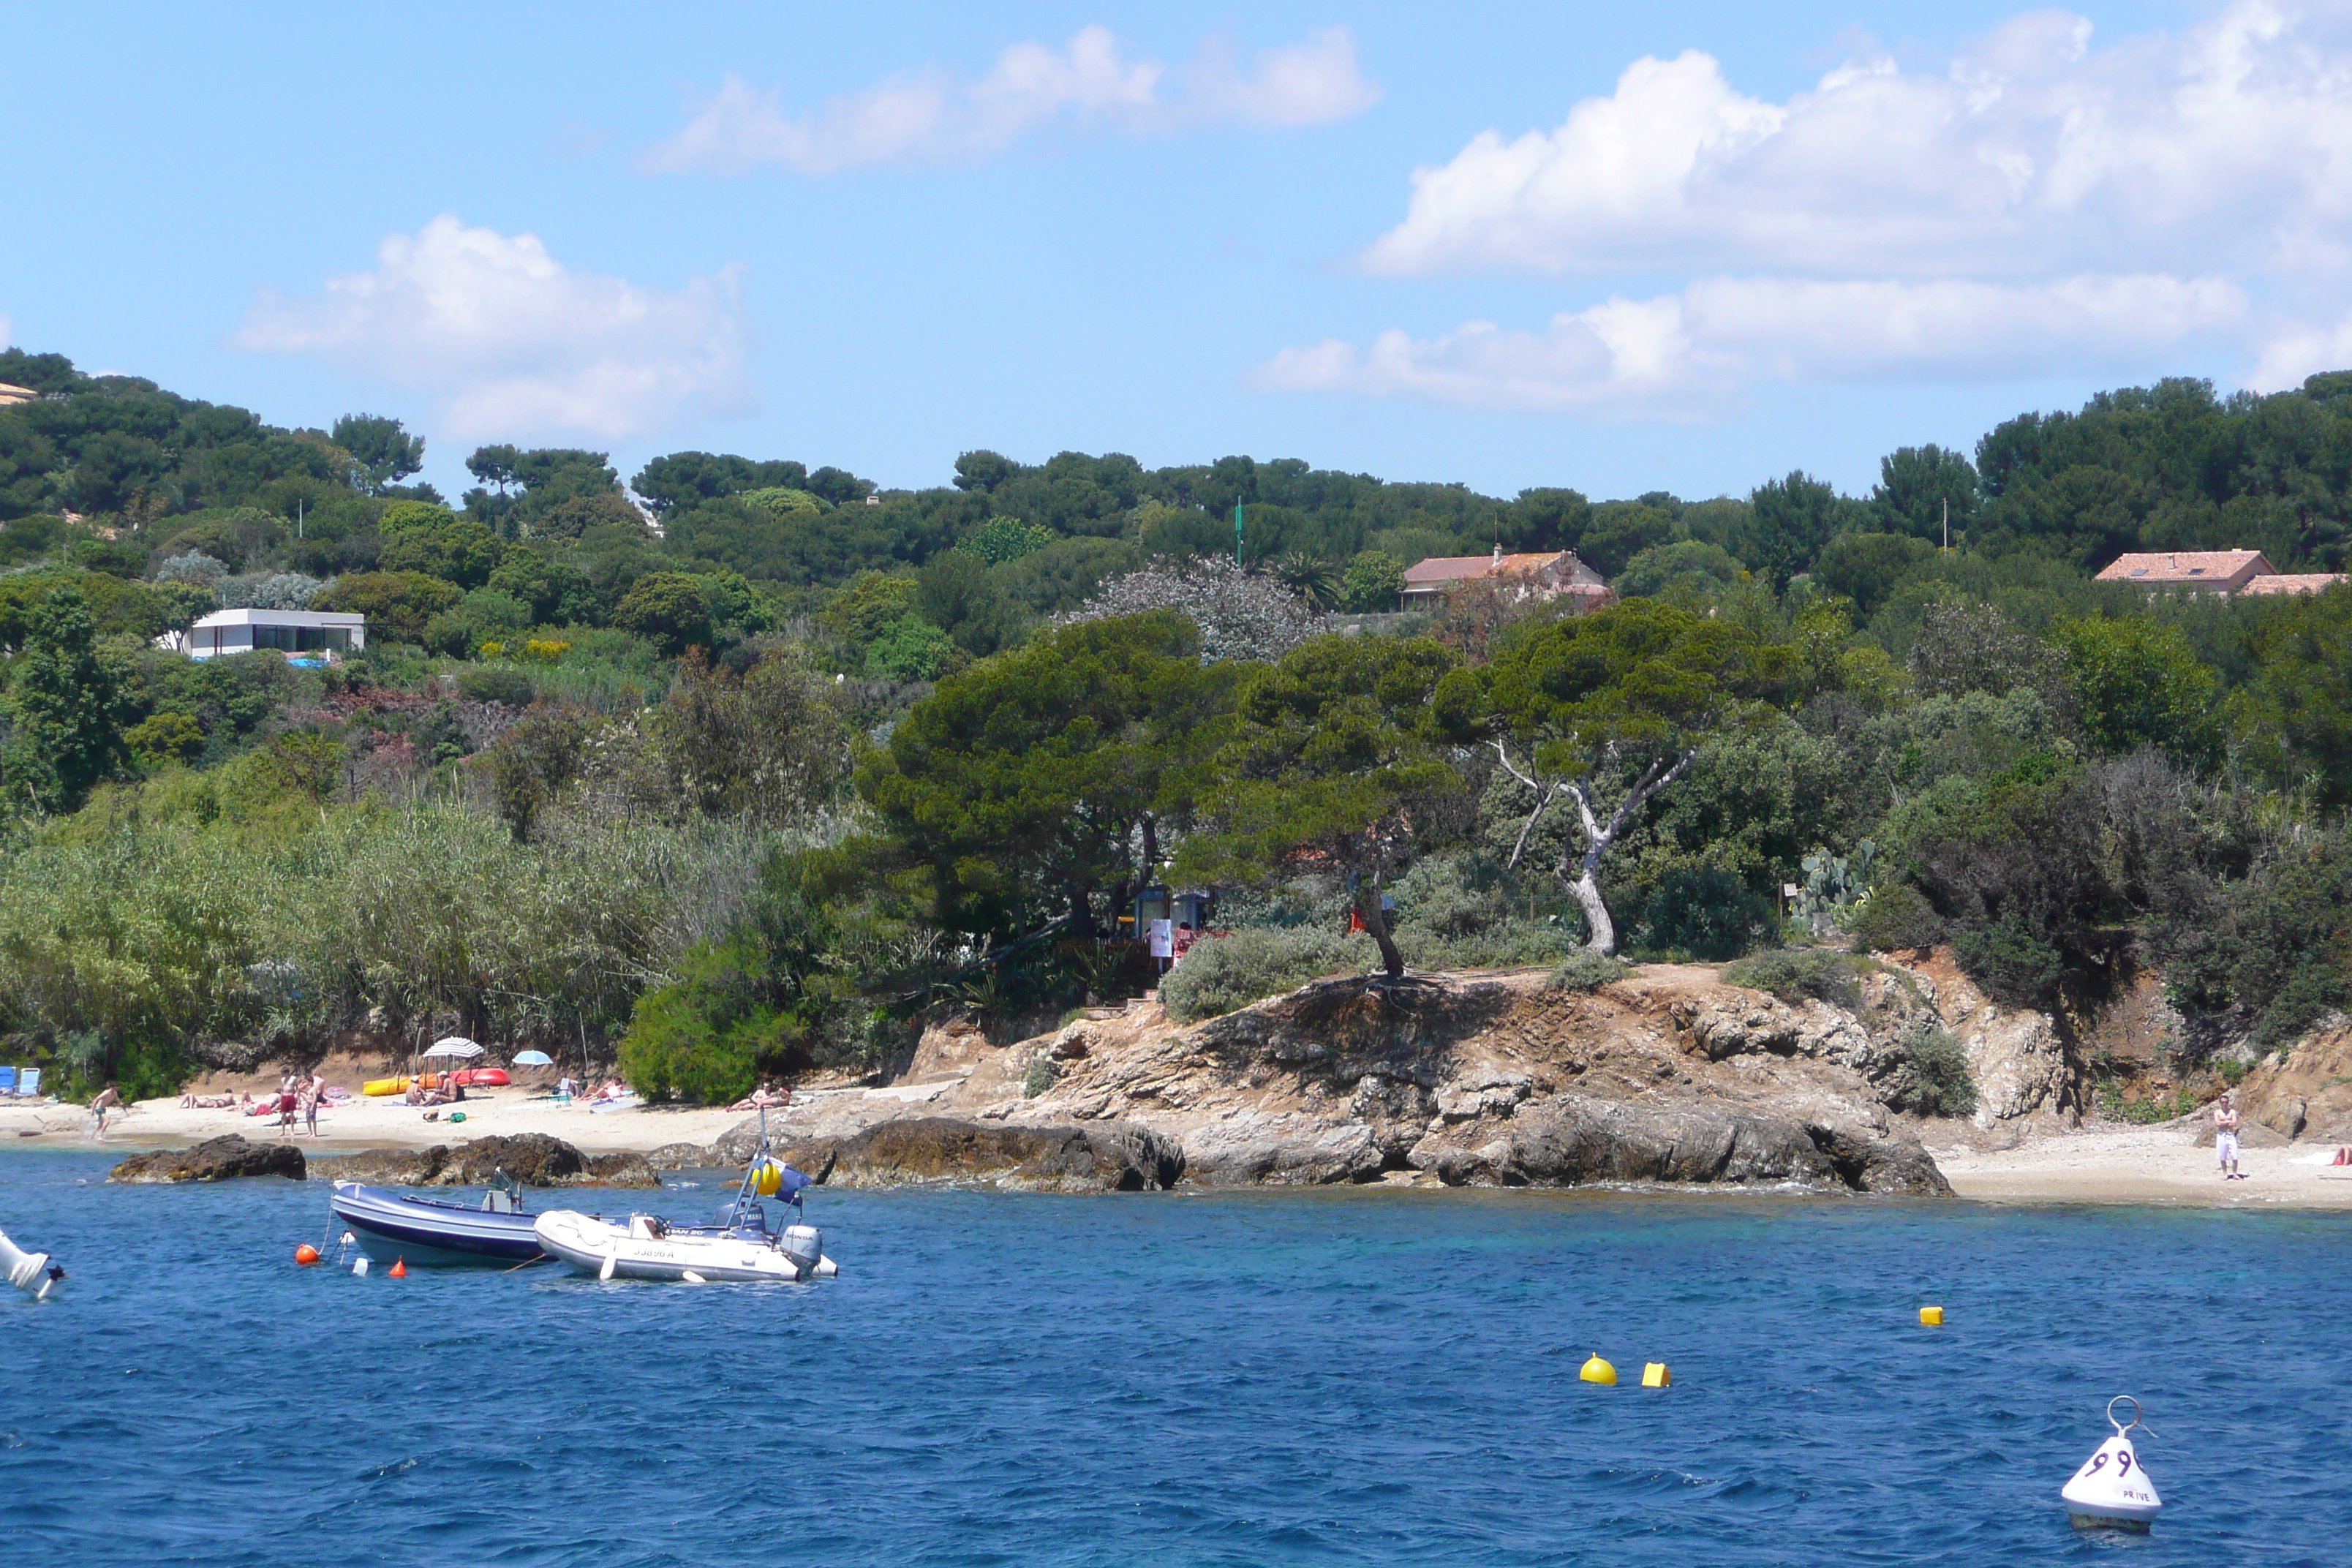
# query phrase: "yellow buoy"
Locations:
[[1931, 1316], [1655, 1375], [1599, 1370], [767, 1177]]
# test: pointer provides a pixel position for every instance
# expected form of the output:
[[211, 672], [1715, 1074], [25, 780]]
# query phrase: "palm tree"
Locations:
[[1314, 580]]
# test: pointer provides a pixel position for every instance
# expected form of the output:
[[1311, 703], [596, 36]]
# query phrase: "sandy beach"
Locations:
[[2101, 1164], [387, 1123]]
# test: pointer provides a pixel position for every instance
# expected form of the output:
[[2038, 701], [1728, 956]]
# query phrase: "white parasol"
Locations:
[[533, 1060], [452, 1045]]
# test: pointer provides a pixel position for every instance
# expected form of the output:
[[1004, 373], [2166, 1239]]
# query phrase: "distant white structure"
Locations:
[[287, 631]]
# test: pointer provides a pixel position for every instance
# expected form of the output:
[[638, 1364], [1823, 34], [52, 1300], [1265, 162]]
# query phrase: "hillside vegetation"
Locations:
[[742, 766]]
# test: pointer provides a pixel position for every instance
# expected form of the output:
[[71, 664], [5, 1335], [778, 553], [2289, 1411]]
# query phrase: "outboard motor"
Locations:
[[804, 1245], [34, 1274]]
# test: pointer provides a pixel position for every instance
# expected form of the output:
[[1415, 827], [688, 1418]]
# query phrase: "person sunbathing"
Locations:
[[195, 1102], [614, 1089], [765, 1098]]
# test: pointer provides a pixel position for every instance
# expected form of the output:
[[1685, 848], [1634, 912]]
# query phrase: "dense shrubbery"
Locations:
[[1940, 1083], [566, 791]]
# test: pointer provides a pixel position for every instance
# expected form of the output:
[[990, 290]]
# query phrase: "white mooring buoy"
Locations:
[[2112, 1491]]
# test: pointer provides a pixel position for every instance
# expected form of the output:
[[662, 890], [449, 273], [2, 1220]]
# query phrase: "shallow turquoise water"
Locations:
[[1255, 1378]]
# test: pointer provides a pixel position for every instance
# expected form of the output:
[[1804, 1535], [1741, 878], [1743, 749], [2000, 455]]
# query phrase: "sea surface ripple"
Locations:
[[1253, 1378]]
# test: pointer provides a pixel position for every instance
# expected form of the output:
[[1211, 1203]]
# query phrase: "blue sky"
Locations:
[[877, 239]]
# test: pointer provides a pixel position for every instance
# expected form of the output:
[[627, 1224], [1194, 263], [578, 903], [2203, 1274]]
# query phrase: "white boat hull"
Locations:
[[610, 1251]]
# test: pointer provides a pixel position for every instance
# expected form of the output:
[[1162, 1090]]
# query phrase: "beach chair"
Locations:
[[7, 1080], [30, 1083]]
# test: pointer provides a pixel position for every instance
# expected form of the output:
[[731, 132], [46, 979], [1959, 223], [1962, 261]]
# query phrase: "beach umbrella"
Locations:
[[452, 1045], [533, 1060]]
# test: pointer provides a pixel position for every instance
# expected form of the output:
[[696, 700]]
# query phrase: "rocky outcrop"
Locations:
[[2016, 1055], [1101, 1158], [1666, 1077], [2305, 1093], [1567, 1139], [680, 1157], [214, 1160], [529, 1158]]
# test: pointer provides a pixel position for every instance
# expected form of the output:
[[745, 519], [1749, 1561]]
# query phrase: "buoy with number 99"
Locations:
[[2112, 1491]]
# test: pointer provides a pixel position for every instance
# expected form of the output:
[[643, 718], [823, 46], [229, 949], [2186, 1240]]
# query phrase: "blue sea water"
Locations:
[[1254, 1378]]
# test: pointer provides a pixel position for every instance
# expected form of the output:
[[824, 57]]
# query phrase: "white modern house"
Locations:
[[288, 631]]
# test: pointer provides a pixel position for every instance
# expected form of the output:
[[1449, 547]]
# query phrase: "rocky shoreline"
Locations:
[[1667, 1078]]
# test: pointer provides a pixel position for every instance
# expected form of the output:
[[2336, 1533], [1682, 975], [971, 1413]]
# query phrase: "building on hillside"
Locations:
[[10, 394], [1539, 576], [2199, 571], [2293, 583], [287, 631]]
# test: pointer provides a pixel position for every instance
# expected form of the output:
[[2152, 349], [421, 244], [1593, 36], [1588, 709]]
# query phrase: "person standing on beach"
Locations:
[[286, 1100], [2225, 1135], [313, 1088], [109, 1099]]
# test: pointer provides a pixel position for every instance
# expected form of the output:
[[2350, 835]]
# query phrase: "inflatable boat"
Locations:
[[648, 1248], [31, 1272], [396, 1226]]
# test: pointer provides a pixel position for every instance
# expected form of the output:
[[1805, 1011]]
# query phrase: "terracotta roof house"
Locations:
[[2293, 583], [1546, 575], [2204, 570]]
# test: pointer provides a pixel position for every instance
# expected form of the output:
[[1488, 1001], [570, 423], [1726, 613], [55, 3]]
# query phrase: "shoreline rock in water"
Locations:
[[1667, 1076], [1102, 1157], [222, 1159], [529, 1158]]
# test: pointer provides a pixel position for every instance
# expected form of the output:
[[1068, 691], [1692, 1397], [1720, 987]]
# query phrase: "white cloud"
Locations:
[[514, 345], [932, 116], [2038, 202], [1693, 354], [2033, 153]]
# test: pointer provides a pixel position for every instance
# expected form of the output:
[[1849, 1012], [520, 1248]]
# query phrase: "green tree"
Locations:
[[1374, 580], [397, 605], [958, 592], [2293, 718], [2138, 683], [667, 607], [1002, 539], [1024, 784], [1619, 698], [383, 451], [438, 543], [65, 709], [1334, 758], [1919, 487], [1794, 519]]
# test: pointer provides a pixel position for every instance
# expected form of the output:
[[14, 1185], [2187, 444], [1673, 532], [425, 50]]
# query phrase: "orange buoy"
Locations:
[[400, 1268], [306, 1255]]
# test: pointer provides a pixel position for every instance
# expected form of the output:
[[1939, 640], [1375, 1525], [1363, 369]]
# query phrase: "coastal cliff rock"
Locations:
[[530, 1159], [1101, 1158], [2016, 1055], [214, 1160], [1668, 1076], [2305, 1092]]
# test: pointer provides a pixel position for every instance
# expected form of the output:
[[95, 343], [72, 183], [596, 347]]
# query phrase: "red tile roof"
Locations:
[[2187, 566], [1437, 569]]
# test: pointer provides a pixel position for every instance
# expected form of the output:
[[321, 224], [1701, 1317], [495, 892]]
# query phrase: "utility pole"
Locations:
[[1947, 525], [1237, 533]]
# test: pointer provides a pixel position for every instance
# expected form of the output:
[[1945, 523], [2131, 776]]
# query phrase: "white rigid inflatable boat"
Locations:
[[648, 1249], [31, 1272], [738, 1246]]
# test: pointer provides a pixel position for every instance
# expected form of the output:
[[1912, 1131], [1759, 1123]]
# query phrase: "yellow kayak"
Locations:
[[380, 1086]]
